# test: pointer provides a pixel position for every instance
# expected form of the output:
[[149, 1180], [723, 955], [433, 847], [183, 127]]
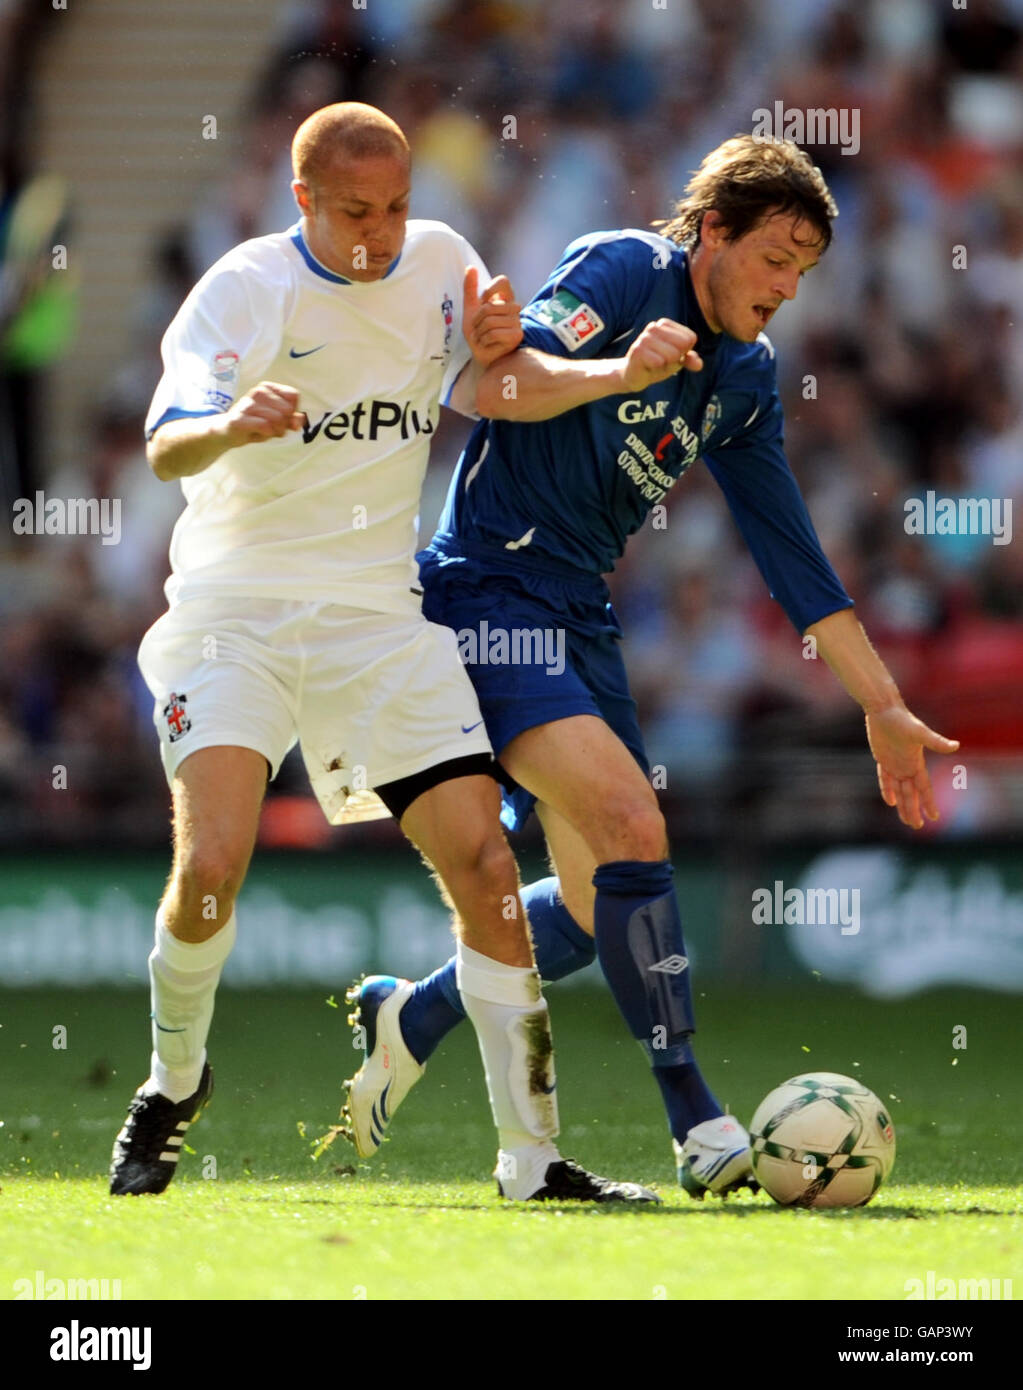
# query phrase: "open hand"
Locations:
[[897, 740]]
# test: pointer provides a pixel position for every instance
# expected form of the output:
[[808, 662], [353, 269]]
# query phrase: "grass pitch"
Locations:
[[422, 1221]]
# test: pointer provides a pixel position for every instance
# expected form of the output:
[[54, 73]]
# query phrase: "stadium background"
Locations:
[[919, 383]]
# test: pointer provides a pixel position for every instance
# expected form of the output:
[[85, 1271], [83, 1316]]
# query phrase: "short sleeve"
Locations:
[[594, 295], [220, 342], [460, 353]]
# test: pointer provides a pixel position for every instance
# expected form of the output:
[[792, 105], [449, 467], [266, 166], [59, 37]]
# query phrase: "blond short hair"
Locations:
[[349, 128]]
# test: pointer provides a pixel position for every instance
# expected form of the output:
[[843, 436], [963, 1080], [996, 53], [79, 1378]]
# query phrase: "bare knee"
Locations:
[[632, 829], [484, 886], [484, 864], [204, 885]]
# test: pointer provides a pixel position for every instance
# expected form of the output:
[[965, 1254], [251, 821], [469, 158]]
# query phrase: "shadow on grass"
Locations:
[[322, 1192], [647, 1210]]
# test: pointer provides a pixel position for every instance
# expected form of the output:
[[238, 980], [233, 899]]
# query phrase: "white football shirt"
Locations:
[[329, 512]]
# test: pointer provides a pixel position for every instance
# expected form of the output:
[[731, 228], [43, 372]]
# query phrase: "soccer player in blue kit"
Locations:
[[641, 353]]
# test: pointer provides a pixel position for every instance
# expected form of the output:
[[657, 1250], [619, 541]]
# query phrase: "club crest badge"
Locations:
[[711, 419], [223, 379], [176, 715]]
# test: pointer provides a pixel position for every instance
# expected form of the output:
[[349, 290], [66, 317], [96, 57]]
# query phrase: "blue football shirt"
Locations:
[[572, 489]]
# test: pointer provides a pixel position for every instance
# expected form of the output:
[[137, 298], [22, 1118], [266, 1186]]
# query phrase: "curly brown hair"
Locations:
[[746, 180]]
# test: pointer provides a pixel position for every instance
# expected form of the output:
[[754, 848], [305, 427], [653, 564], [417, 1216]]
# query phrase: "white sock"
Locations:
[[509, 1013], [183, 977], [523, 1171]]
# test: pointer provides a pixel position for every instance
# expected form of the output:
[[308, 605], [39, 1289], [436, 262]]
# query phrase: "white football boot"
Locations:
[[715, 1157], [389, 1071]]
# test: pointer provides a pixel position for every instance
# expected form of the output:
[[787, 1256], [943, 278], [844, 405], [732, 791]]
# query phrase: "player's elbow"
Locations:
[[488, 400], [156, 458], [161, 459]]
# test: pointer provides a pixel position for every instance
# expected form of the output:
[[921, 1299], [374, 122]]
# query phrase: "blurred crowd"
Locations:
[[901, 369]]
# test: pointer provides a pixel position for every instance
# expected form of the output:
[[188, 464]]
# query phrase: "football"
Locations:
[[822, 1140]]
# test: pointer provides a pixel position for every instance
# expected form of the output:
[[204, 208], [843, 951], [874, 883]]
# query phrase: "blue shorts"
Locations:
[[539, 644]]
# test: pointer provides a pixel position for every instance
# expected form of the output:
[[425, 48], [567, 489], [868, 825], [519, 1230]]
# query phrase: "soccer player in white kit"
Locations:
[[301, 384]]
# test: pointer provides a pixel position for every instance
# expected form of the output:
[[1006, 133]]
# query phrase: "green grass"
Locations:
[[422, 1221]]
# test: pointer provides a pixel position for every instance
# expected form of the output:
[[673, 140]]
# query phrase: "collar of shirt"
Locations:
[[318, 268]]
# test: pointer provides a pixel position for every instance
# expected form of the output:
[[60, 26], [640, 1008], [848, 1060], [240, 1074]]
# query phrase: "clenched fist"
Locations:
[[490, 317], [268, 411], [663, 348]]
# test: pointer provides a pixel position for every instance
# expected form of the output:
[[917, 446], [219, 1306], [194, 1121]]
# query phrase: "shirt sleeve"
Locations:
[[764, 498], [593, 296], [461, 355], [220, 343]]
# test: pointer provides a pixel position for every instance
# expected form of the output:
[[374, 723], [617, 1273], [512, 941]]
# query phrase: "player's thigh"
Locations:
[[217, 794], [385, 699], [581, 768], [574, 863], [222, 679]]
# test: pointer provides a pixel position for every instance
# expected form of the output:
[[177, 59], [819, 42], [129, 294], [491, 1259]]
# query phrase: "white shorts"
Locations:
[[371, 697]]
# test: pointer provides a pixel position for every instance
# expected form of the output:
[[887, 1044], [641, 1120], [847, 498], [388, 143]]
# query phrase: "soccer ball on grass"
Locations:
[[822, 1140]]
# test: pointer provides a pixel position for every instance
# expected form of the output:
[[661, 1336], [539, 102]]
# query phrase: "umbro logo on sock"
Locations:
[[671, 965]]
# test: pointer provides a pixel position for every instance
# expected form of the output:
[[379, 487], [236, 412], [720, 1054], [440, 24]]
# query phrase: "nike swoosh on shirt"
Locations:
[[471, 727], [307, 352]]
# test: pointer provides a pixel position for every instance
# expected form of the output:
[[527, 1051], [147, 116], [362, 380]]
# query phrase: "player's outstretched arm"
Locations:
[[529, 385], [896, 737], [182, 448]]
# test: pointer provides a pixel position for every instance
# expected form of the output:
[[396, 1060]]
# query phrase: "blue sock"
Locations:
[[431, 1011], [638, 933], [559, 943], [687, 1097]]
